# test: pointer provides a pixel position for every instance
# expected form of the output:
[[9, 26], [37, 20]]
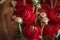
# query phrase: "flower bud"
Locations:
[[31, 28], [19, 20], [43, 14], [38, 6], [40, 37], [13, 3], [45, 20], [1, 1], [35, 2]]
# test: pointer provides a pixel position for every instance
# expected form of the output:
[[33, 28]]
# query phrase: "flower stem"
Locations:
[[43, 1], [36, 10], [24, 2], [20, 29], [57, 34], [55, 3], [56, 38], [52, 38], [51, 4], [35, 20], [33, 8], [42, 29]]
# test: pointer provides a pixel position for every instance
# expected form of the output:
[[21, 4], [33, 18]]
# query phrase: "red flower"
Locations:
[[32, 34], [26, 14], [29, 1], [58, 4], [55, 15], [49, 2], [31, 20], [59, 26], [50, 31], [49, 35], [20, 5], [44, 8]]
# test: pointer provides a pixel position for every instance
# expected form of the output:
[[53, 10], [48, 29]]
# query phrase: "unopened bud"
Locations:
[[45, 20], [19, 20], [40, 37], [38, 6], [13, 3], [35, 2], [31, 28], [43, 14]]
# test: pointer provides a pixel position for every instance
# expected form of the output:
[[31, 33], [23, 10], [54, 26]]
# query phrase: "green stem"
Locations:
[[58, 34], [36, 9], [20, 29], [35, 20], [56, 38], [52, 38], [46, 39], [42, 29]]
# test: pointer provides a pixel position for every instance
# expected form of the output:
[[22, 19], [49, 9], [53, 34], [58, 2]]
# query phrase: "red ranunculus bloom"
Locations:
[[59, 25], [26, 14], [29, 1], [55, 15], [21, 5], [50, 31], [58, 4], [44, 8], [32, 35], [49, 1]]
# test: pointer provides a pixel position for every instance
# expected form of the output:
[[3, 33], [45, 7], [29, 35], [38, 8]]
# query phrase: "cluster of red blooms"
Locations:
[[26, 13]]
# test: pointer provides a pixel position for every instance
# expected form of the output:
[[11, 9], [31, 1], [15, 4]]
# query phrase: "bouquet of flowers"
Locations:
[[38, 19]]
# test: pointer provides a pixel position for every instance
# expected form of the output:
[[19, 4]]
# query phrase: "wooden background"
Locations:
[[7, 27]]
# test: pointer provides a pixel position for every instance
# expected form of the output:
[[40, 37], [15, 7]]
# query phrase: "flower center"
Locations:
[[58, 15], [49, 24], [32, 28]]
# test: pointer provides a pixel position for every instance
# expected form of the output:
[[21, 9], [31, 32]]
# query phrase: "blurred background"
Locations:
[[7, 27]]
